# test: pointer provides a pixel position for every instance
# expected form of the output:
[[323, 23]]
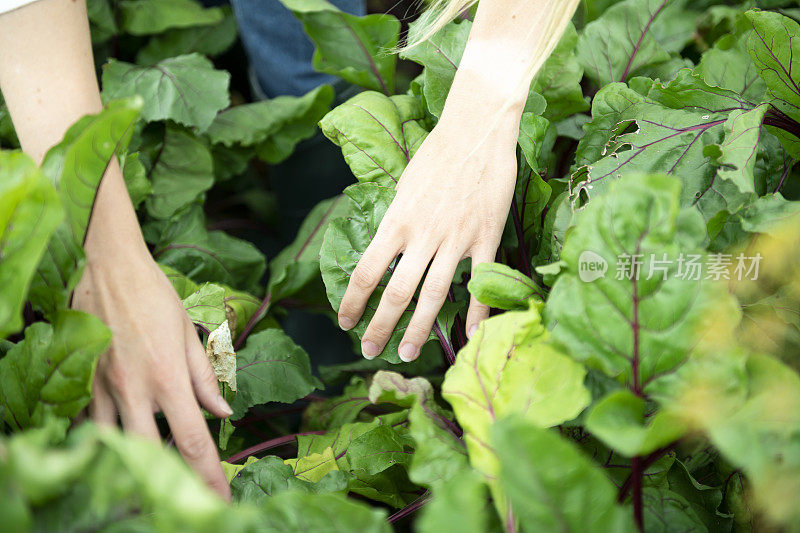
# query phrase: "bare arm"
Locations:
[[156, 361], [454, 196]]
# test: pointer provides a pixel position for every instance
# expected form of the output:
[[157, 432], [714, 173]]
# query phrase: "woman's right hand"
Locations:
[[156, 361]]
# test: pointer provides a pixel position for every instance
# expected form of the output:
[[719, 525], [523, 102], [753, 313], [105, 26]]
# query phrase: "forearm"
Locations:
[[509, 42], [48, 80]]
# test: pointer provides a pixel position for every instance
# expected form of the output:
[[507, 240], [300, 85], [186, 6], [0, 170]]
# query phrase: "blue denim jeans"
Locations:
[[279, 51]]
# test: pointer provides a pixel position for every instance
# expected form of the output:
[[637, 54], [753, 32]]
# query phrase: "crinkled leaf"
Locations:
[[186, 89], [508, 368], [378, 134], [339, 410], [633, 35], [502, 287], [271, 368], [50, 372], [183, 170], [222, 356], [75, 166], [645, 317], [206, 306], [768, 213], [559, 80], [551, 485], [210, 40], [263, 478], [186, 245], [146, 17], [29, 214], [353, 48]]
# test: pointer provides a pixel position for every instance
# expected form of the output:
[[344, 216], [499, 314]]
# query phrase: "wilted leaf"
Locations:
[[220, 352]]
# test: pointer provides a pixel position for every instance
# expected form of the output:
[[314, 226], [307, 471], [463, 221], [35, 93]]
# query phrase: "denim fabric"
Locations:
[[279, 51]]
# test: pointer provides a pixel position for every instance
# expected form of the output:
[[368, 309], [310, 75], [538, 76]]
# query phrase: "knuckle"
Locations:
[[437, 288], [193, 446], [417, 332], [398, 292], [377, 332], [364, 277]]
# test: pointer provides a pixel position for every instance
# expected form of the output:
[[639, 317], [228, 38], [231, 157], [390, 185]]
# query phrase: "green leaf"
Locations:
[[50, 372], [313, 467], [378, 134], [619, 421], [29, 214], [559, 80], [139, 187], [271, 368], [666, 512], [214, 256], [502, 287], [551, 485], [357, 49], [440, 55], [768, 213], [251, 124], [75, 166], [508, 368], [261, 479], [186, 89], [774, 46], [648, 316], [439, 454], [632, 36], [182, 172], [297, 512], [209, 40], [298, 264], [338, 410], [458, 506], [206, 306], [146, 17]]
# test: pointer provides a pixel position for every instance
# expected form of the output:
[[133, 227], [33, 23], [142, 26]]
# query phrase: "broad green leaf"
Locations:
[[298, 264], [338, 410], [251, 124], [458, 506], [29, 214], [676, 122], [640, 312], [774, 46], [271, 368], [704, 500], [297, 512], [146, 17], [534, 139], [729, 65], [50, 372], [206, 306], [209, 40], [666, 511], [551, 485], [508, 368], [185, 245], [440, 55], [182, 171], [101, 17], [186, 89], [632, 36], [559, 80], [619, 421], [75, 166], [768, 213], [257, 480], [344, 244], [313, 467], [439, 453], [378, 134], [379, 449], [232, 470], [502, 287], [357, 49]]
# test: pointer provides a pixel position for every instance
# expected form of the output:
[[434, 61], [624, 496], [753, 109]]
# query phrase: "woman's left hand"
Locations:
[[452, 202]]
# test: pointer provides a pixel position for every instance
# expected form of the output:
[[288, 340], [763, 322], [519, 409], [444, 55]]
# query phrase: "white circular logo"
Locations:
[[591, 266]]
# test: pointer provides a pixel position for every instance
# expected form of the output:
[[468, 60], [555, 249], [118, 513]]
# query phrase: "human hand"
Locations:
[[452, 202], [156, 361]]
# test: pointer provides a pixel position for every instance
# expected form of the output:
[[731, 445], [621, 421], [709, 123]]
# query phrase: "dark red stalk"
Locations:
[[449, 353], [524, 260], [411, 507], [268, 445], [258, 315], [637, 474]]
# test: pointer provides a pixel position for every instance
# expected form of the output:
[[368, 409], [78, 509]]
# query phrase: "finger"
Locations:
[[137, 418], [102, 409], [394, 301], [477, 311], [204, 381], [431, 297], [192, 437], [368, 273]]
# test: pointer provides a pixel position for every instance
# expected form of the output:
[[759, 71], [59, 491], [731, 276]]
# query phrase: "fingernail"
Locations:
[[346, 323], [370, 350], [472, 331], [223, 406], [407, 352]]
